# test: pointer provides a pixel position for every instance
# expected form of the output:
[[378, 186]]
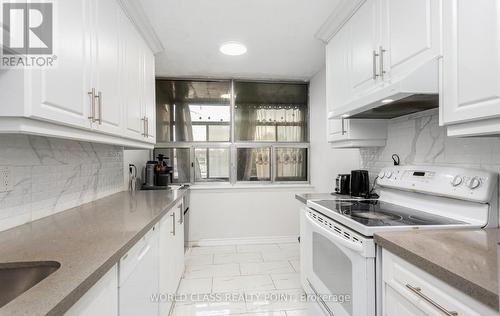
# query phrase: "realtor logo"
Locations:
[[28, 29]]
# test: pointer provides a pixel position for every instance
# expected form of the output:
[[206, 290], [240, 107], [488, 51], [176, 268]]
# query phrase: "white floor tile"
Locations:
[[270, 313], [257, 248], [266, 268], [213, 270], [281, 255], [196, 260], [276, 301], [243, 283], [212, 250], [237, 258], [286, 281], [302, 312], [289, 246], [210, 309], [193, 286], [296, 265]]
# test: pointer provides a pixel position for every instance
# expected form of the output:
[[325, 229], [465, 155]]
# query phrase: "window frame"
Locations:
[[233, 145]]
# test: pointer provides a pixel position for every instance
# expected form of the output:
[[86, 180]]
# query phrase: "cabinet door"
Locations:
[[106, 74], [337, 130], [338, 59], [59, 94], [133, 68], [101, 299], [471, 60], [149, 99], [364, 30], [168, 274], [179, 244], [410, 35], [397, 305]]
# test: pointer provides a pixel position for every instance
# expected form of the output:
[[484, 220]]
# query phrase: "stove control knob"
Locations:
[[474, 183], [456, 181], [388, 174]]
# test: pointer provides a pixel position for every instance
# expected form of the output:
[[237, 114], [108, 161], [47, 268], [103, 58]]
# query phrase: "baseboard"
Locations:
[[242, 241]]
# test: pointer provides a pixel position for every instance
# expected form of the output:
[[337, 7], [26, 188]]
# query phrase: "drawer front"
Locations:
[[425, 292]]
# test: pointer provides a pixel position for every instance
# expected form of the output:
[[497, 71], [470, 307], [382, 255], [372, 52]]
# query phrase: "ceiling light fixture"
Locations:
[[233, 48], [385, 101]]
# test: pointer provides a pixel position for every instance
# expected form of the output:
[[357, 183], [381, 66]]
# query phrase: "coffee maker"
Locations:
[[158, 174], [163, 171]]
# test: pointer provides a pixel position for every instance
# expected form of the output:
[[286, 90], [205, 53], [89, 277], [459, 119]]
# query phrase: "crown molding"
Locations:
[[339, 16], [137, 16]]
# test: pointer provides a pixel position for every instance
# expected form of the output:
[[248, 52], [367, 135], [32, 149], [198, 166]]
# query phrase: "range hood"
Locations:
[[414, 93]]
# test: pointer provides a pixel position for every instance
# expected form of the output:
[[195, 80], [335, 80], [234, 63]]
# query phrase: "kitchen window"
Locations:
[[234, 131]]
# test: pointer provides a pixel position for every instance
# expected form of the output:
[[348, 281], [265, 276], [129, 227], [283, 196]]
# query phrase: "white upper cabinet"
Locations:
[[107, 66], [364, 39], [149, 97], [410, 35], [337, 70], [101, 88], [133, 78], [389, 40], [471, 67], [59, 94], [139, 78]]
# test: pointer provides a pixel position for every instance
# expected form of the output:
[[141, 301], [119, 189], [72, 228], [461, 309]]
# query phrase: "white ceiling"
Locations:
[[279, 35]]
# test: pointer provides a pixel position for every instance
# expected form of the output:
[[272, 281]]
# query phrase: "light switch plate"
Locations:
[[6, 180]]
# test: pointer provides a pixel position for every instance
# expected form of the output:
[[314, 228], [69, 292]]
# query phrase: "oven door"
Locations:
[[338, 266]]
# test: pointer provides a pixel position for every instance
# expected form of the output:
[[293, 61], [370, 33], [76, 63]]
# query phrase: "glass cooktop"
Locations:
[[377, 213]]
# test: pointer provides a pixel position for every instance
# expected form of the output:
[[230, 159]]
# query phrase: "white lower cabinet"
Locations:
[[171, 255], [138, 277], [354, 133], [101, 299], [407, 291]]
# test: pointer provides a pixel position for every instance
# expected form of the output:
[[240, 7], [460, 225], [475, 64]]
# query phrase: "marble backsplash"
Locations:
[[418, 139], [52, 175]]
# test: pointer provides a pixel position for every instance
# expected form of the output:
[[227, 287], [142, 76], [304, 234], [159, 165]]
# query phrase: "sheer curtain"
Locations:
[[282, 123]]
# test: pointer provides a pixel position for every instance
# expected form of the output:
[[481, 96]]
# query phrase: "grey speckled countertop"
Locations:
[[87, 241], [319, 196], [465, 259]]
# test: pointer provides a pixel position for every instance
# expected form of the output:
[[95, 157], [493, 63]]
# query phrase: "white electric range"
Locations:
[[338, 254]]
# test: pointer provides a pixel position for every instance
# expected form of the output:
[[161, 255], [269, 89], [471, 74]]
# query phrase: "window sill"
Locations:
[[215, 186]]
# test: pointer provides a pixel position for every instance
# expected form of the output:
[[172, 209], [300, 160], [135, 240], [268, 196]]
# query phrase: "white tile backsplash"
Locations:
[[51, 175], [418, 139]]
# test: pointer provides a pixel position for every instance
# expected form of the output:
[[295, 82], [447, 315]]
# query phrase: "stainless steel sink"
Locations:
[[18, 277]]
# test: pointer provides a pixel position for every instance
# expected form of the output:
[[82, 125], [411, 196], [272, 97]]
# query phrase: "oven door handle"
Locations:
[[337, 239]]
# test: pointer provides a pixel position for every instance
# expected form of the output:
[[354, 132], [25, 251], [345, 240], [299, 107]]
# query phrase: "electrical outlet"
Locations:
[[6, 181]]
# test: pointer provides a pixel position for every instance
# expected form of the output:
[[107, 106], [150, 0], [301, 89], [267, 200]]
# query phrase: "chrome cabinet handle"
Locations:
[[99, 104], [92, 104], [144, 126], [343, 126], [173, 224], [147, 126], [381, 56], [418, 291], [374, 61]]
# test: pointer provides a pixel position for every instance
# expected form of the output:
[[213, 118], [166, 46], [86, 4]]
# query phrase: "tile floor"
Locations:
[[245, 280]]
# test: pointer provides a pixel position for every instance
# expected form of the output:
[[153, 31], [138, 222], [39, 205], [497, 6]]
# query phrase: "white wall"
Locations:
[[243, 213], [52, 175], [326, 162], [271, 212]]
